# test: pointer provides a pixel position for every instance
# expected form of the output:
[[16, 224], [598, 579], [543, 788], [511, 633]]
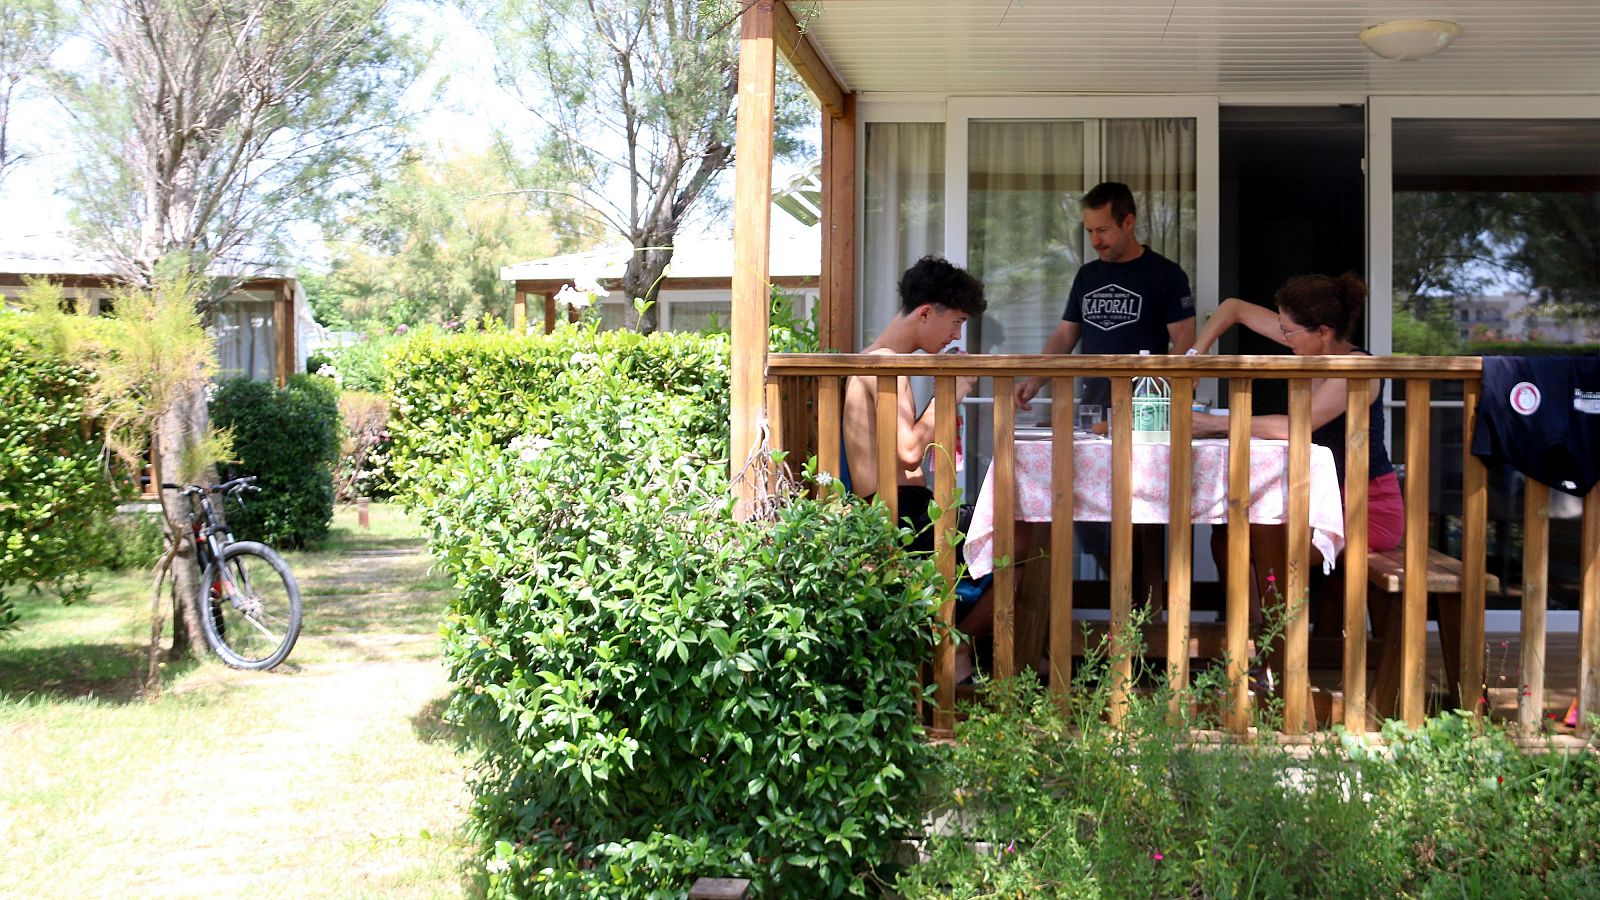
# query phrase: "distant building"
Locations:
[[1517, 316], [694, 292], [263, 330]]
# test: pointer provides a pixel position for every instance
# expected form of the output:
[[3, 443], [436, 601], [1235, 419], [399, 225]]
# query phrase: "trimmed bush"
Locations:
[[53, 487], [289, 438], [657, 692]]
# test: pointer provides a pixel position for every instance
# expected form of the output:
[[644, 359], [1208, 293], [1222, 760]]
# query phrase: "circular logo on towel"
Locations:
[[1525, 398]]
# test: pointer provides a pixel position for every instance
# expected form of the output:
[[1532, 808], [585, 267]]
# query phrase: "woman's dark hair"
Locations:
[[1315, 301], [933, 279]]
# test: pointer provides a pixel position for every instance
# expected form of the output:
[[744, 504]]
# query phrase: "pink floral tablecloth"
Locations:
[[1269, 463]]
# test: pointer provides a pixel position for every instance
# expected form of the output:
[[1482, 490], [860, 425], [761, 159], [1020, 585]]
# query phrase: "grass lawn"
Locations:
[[330, 776]]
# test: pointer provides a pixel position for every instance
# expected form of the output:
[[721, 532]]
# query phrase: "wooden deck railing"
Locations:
[[813, 382]]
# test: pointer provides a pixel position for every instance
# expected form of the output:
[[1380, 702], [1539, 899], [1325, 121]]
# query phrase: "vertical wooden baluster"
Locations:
[[1239, 552], [1121, 543], [1005, 522], [777, 439], [888, 424], [1297, 577], [1357, 422], [1474, 540], [944, 494], [1414, 620], [829, 425], [1180, 538], [1535, 594], [1589, 613], [1062, 489]]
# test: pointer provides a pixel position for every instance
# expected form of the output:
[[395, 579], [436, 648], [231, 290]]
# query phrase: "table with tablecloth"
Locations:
[[1269, 463]]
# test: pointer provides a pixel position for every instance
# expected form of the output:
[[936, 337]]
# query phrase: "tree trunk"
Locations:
[[181, 427], [642, 277]]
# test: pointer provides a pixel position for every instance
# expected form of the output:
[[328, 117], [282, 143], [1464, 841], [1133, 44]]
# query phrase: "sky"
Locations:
[[33, 216]]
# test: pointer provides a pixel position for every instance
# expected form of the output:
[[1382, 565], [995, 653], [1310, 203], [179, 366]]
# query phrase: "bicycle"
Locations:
[[251, 611]]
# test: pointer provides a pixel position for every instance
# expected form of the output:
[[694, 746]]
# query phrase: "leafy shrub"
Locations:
[[129, 541], [53, 488], [447, 389], [289, 438], [360, 366], [658, 691], [1044, 803]]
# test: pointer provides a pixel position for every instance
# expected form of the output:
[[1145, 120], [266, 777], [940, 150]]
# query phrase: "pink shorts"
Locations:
[[1386, 513]]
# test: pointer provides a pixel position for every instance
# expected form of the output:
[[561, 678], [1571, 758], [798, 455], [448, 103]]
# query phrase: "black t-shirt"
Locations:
[[1126, 307]]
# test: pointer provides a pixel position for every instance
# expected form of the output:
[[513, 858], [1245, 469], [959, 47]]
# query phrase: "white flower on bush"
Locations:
[[570, 296], [527, 447], [328, 371], [590, 285], [583, 359]]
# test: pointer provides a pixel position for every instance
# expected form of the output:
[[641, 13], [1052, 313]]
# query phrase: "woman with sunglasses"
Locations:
[[1317, 316]]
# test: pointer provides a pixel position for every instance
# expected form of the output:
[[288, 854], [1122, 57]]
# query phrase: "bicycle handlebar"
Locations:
[[236, 484]]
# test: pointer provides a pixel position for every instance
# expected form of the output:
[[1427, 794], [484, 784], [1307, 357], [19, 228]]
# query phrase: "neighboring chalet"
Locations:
[[263, 330], [694, 292], [1261, 141]]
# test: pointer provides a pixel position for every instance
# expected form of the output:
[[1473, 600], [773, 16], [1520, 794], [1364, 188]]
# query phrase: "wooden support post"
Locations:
[[1297, 711], [1121, 544], [1474, 541], [1062, 492], [283, 331], [1357, 423], [362, 518], [1238, 591], [750, 316], [1180, 538], [1414, 618], [519, 312], [1005, 531], [837, 321], [1535, 597], [944, 494], [549, 313], [1589, 613]]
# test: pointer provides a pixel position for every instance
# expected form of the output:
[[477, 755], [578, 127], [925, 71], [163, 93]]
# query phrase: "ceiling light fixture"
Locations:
[[1409, 38]]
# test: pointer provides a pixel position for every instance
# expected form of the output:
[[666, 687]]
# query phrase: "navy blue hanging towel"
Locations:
[[1541, 415]]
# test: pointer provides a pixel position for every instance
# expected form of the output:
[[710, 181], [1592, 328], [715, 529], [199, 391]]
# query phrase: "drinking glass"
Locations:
[[1088, 415]]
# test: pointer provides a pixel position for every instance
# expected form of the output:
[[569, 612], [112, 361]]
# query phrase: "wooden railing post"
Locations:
[[1414, 621], [887, 421], [1535, 597], [1589, 615], [944, 494], [830, 450], [1238, 591], [1297, 711], [1005, 545], [1121, 544], [1474, 540], [1180, 544], [1062, 492], [1357, 422]]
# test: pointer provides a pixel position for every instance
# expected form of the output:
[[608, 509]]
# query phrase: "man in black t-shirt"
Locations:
[[1130, 299]]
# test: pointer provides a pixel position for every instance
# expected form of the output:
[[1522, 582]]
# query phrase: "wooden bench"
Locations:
[[1386, 580]]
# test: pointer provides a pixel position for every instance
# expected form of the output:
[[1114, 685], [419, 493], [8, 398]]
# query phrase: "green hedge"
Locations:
[[657, 692], [53, 487], [289, 438]]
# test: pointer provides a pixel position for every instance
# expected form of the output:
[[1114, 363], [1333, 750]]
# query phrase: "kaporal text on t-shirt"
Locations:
[[1111, 304]]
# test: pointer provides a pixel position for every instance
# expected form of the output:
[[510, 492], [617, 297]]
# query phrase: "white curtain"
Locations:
[[246, 339], [1156, 158], [1024, 227], [904, 212]]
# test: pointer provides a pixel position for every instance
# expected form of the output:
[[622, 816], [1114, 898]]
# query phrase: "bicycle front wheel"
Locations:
[[252, 617]]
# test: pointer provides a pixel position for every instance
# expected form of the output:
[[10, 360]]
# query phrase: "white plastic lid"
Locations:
[[1144, 352]]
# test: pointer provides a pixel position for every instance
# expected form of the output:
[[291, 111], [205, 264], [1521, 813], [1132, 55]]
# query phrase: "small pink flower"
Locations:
[[1157, 857], [1011, 847], [1271, 578]]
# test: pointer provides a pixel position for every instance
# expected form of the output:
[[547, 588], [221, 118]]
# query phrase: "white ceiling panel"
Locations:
[[1199, 46]]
